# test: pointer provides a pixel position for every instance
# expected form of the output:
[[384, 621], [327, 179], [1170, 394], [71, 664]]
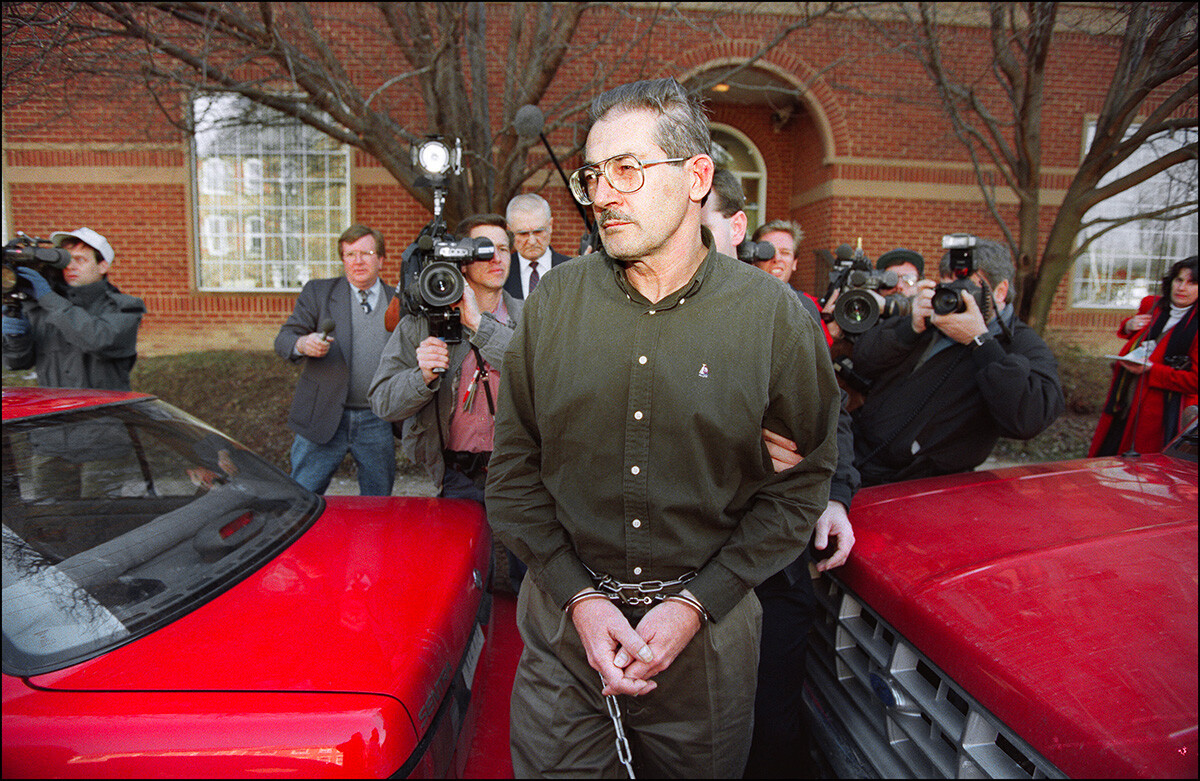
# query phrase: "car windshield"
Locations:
[[122, 518]]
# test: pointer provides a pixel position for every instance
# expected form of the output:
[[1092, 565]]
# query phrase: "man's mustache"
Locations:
[[610, 214]]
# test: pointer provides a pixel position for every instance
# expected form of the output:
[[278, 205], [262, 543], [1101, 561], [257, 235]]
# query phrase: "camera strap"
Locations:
[[481, 375]]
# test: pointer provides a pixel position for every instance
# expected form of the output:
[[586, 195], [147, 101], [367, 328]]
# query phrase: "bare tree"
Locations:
[[998, 120], [295, 58], [427, 70]]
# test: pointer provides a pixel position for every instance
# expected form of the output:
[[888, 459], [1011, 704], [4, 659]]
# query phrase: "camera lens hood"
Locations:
[[856, 310], [440, 284]]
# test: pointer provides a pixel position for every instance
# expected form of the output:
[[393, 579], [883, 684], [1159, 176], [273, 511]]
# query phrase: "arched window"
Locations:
[[734, 151]]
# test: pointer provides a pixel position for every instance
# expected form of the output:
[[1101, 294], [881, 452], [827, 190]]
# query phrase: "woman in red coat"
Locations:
[[1148, 395]]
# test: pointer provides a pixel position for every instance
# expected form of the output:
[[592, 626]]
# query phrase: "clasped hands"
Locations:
[[628, 658]]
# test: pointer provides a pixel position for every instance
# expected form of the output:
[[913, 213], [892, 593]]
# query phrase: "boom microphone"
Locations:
[[529, 121]]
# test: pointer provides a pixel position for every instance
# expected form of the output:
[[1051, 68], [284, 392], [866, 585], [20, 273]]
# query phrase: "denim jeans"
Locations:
[[367, 438]]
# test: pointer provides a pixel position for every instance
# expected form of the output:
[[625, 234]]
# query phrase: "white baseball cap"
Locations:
[[88, 237]]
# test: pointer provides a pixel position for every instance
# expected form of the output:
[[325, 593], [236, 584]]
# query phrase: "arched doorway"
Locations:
[[734, 151]]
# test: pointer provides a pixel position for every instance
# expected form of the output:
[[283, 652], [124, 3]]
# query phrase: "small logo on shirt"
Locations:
[[703, 370]]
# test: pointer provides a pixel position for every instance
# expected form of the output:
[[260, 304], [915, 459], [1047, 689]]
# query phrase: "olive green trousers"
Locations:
[[696, 724]]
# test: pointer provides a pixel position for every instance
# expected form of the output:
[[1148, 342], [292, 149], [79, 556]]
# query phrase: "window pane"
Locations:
[[1121, 267], [730, 151], [271, 197]]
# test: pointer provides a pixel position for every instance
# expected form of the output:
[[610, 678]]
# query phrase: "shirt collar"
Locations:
[[543, 261], [679, 296], [372, 293]]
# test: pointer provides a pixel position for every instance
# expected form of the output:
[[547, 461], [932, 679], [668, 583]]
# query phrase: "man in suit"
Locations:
[[529, 219], [330, 412]]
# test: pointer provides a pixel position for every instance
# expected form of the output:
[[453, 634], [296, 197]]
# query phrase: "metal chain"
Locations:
[[624, 753], [645, 593]]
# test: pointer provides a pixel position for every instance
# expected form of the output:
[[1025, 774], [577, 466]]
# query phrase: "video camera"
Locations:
[[947, 298], [750, 251], [859, 304], [431, 279], [33, 253]]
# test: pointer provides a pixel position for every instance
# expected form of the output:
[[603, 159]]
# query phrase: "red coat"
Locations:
[[1144, 423]]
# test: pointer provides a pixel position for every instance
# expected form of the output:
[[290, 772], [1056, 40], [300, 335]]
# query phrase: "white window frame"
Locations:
[[269, 200], [1127, 263], [756, 213]]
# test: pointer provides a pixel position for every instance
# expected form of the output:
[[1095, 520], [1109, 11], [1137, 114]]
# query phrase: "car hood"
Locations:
[[379, 596], [1061, 596]]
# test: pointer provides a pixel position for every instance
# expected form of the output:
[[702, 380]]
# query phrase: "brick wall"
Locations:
[[869, 155]]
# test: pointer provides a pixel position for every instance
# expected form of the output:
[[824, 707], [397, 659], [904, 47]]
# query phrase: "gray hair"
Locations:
[[682, 129], [992, 259], [527, 203]]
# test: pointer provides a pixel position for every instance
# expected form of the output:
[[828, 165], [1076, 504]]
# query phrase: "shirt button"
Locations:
[[637, 524], [637, 570], [642, 360], [652, 311], [635, 470], [637, 415]]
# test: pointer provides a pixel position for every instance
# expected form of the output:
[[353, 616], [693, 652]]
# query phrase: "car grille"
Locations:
[[905, 716]]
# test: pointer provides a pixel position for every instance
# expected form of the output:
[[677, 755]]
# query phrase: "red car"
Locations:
[[174, 605], [1036, 622]]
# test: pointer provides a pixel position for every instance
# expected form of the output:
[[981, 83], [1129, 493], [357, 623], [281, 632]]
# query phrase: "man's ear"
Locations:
[[737, 227], [1000, 293], [702, 176]]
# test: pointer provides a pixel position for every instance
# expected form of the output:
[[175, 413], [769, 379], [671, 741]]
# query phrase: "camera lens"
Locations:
[[856, 311], [440, 284], [896, 304], [947, 301]]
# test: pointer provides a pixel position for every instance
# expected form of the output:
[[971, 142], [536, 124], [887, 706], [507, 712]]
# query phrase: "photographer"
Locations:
[[947, 386], [446, 393], [81, 333]]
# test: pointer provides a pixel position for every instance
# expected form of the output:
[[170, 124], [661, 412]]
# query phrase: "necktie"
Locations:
[[362, 299], [533, 276]]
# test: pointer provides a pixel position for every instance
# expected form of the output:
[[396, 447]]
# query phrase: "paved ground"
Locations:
[[406, 485]]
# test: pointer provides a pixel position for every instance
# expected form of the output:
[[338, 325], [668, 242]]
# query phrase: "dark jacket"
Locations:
[[513, 283], [83, 337], [945, 415], [325, 382]]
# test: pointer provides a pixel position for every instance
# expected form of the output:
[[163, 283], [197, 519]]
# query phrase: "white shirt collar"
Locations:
[[542, 267], [373, 293]]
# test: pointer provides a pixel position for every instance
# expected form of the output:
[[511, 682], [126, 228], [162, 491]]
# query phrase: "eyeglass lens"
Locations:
[[624, 174]]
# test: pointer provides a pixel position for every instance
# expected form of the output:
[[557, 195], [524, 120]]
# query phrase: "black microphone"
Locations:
[[326, 329], [529, 121]]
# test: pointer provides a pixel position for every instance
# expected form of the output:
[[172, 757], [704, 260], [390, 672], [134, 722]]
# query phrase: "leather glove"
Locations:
[[15, 326], [40, 286]]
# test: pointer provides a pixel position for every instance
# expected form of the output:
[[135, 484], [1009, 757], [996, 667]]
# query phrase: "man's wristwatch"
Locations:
[[978, 341]]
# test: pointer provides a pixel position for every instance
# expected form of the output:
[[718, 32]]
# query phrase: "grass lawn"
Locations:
[[247, 395]]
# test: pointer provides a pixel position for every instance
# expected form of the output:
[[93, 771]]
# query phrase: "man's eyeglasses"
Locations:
[[358, 255], [622, 172]]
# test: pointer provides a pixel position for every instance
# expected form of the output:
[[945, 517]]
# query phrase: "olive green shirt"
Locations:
[[629, 434]]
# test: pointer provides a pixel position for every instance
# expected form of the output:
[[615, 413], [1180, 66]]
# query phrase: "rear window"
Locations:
[[120, 519]]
